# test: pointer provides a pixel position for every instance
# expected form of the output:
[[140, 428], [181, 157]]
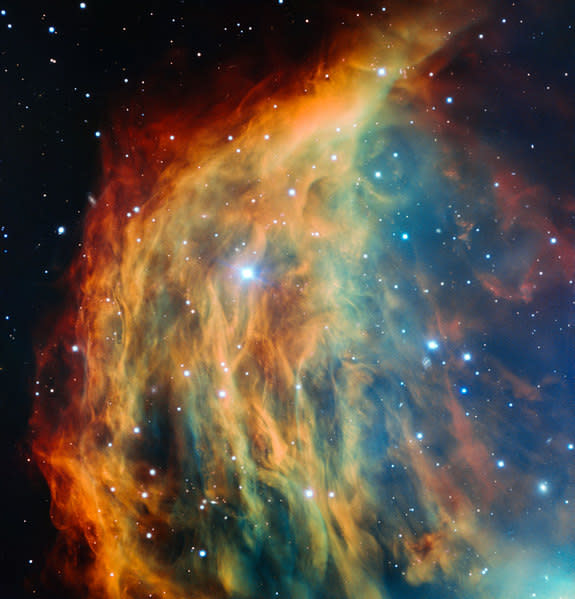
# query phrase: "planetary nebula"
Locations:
[[261, 387]]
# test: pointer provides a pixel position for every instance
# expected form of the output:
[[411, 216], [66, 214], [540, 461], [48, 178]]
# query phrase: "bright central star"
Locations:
[[247, 273]]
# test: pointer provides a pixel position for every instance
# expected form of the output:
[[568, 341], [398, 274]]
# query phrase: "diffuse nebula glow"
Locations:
[[242, 417]]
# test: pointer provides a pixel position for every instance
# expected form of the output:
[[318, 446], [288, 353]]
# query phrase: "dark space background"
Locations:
[[59, 88]]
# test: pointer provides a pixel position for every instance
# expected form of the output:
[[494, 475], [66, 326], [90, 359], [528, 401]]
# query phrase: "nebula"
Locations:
[[277, 376]]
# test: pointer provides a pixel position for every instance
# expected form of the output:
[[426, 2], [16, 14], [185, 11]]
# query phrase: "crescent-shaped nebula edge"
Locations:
[[277, 374]]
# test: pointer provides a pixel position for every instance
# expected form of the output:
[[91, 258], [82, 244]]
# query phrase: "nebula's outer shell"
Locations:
[[218, 432]]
